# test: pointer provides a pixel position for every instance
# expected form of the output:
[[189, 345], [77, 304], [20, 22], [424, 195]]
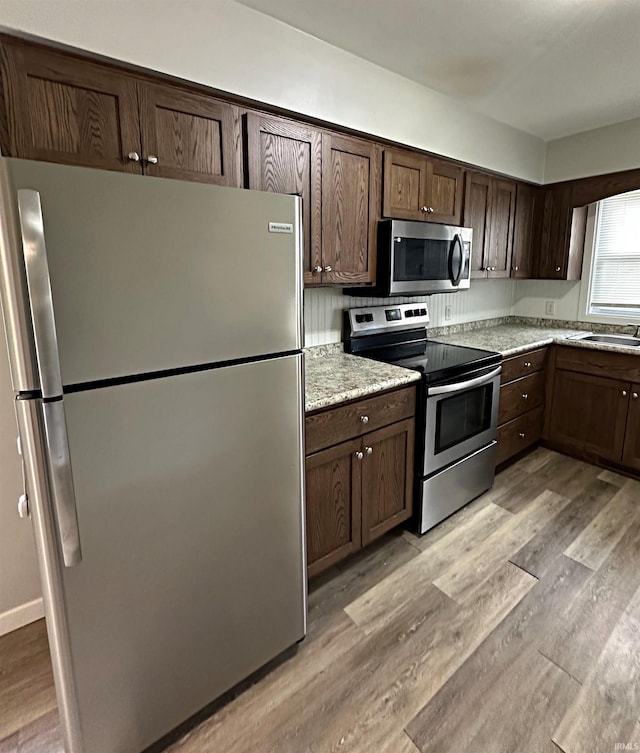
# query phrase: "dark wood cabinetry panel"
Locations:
[[477, 215], [350, 208], [524, 231], [503, 209], [521, 396], [588, 414], [387, 478], [333, 513], [631, 454], [518, 434], [561, 235], [444, 192], [523, 365], [286, 157], [188, 136], [61, 109], [404, 181]]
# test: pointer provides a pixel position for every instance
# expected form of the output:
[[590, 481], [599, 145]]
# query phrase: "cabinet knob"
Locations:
[[133, 156], [557, 269], [527, 364], [364, 419], [368, 450], [634, 395], [515, 269], [624, 393], [152, 159], [424, 209], [359, 455], [328, 268], [430, 210], [317, 269], [525, 395], [521, 434]]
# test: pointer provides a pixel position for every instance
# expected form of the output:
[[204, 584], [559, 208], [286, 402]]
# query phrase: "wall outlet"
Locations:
[[550, 308], [447, 312]]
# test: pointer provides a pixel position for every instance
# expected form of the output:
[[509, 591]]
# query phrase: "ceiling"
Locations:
[[548, 67]]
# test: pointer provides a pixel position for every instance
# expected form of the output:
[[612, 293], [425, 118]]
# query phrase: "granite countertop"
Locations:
[[333, 377]]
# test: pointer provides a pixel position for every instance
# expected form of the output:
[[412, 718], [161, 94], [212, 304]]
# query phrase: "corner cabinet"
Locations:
[[65, 109], [359, 474], [416, 187], [522, 260], [561, 235], [489, 209], [338, 179]]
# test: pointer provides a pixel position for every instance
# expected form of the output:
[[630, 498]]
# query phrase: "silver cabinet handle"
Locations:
[[133, 156], [557, 269], [152, 159], [515, 269], [364, 419], [317, 270], [328, 268], [634, 395], [527, 364], [525, 395], [424, 209], [359, 455], [624, 393], [430, 210], [368, 450], [521, 434]]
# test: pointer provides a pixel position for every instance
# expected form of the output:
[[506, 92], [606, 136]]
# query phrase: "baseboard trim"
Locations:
[[20, 616]]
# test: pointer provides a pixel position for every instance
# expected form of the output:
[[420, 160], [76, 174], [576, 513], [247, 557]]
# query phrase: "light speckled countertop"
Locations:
[[333, 377]]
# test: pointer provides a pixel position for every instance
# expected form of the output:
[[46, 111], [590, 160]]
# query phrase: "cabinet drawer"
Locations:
[[527, 363], [518, 434], [521, 396], [345, 422]]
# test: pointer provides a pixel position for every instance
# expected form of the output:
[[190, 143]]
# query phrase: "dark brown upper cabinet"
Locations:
[[65, 109], [286, 157], [416, 187], [561, 233], [188, 136], [350, 209], [61, 109], [522, 259], [489, 208]]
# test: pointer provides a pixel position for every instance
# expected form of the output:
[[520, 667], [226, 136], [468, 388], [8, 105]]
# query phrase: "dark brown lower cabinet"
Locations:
[[357, 489], [631, 452]]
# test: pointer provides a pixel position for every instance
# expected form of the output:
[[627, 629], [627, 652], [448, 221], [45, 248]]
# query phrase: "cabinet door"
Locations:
[[62, 109], [444, 192], [387, 478], [477, 215], [523, 235], [631, 454], [333, 488], [189, 136], [350, 208], [555, 233], [588, 414], [404, 183], [286, 157], [503, 211]]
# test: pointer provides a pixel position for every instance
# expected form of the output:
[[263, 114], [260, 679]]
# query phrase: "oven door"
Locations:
[[461, 418], [427, 258]]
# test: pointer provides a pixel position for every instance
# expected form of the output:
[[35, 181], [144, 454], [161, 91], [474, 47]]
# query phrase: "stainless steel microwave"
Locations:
[[419, 258]]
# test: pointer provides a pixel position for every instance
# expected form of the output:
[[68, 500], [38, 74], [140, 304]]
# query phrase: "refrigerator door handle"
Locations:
[[39, 289], [61, 481]]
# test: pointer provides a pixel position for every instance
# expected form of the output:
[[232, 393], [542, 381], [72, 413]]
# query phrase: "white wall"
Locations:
[[485, 299], [19, 579], [602, 150], [231, 47]]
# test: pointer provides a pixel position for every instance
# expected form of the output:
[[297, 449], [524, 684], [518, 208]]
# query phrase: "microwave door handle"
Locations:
[[457, 241], [460, 386]]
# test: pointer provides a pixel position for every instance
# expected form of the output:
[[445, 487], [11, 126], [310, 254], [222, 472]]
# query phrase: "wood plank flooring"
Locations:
[[513, 627]]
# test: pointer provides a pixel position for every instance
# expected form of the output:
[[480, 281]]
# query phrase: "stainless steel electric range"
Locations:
[[457, 404]]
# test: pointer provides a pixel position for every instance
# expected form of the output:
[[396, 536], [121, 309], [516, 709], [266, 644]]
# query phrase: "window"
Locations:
[[615, 267]]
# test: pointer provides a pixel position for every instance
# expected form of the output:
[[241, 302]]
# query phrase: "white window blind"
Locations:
[[615, 269]]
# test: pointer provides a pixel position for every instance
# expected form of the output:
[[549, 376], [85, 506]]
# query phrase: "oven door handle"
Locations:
[[460, 386]]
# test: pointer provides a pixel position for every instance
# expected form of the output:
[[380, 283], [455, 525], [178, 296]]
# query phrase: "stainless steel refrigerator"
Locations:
[[154, 330]]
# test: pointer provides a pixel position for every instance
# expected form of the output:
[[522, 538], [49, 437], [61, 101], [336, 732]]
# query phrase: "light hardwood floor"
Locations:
[[513, 627]]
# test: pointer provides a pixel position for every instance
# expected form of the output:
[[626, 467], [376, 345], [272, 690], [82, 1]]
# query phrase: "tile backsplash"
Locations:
[[485, 299]]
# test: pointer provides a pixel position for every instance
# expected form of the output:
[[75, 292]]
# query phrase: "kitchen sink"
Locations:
[[624, 341]]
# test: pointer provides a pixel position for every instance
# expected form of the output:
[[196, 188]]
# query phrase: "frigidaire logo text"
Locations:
[[627, 746]]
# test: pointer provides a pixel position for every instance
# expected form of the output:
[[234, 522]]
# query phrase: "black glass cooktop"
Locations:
[[440, 362]]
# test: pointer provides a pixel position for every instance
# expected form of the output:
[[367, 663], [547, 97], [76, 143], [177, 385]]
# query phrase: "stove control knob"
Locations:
[[364, 419]]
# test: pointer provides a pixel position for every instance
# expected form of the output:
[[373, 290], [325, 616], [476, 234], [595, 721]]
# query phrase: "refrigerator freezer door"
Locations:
[[153, 274], [189, 494]]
